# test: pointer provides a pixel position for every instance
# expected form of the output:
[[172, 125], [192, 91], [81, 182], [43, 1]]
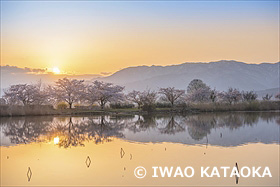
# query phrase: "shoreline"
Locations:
[[41, 111]]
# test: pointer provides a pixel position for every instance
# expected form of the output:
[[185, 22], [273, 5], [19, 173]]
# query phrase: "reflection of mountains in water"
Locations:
[[223, 129]]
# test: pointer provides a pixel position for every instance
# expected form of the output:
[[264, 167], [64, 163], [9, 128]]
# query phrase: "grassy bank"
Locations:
[[40, 110], [36, 110], [32, 110], [245, 106]]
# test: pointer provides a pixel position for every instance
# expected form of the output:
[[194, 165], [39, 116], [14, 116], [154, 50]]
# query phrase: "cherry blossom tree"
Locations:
[[249, 96], [231, 96], [19, 94], [68, 90], [267, 97], [195, 85], [200, 95], [103, 93], [148, 99], [135, 97], [26, 94], [198, 91], [171, 94]]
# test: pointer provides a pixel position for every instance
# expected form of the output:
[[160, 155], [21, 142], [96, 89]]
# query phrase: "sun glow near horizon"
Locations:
[[56, 70]]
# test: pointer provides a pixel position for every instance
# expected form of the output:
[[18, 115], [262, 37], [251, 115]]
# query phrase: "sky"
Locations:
[[94, 37]]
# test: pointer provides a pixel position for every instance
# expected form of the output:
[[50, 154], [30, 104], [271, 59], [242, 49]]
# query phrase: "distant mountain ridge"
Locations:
[[272, 91], [220, 75]]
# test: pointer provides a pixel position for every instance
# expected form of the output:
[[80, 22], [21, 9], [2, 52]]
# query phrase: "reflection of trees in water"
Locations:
[[270, 117], [75, 131], [25, 130], [236, 120], [231, 121], [70, 132], [103, 130], [199, 125], [166, 124], [278, 120], [142, 123], [172, 126], [250, 119]]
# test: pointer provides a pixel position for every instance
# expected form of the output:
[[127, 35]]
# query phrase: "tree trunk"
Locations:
[[102, 105]]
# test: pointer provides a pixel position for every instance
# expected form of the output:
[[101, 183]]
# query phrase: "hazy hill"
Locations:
[[272, 91], [221, 75]]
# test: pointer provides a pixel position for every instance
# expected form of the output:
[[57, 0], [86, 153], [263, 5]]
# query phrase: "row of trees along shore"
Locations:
[[69, 93]]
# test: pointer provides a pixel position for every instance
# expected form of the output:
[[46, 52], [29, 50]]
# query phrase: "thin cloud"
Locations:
[[18, 70], [106, 73]]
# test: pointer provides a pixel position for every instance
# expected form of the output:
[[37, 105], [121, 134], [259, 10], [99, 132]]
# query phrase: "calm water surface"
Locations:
[[105, 150]]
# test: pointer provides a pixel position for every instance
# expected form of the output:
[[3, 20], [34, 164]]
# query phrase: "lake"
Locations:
[[105, 150]]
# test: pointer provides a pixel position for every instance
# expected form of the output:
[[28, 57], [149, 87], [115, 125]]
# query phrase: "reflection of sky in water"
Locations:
[[224, 129], [84, 137], [262, 131]]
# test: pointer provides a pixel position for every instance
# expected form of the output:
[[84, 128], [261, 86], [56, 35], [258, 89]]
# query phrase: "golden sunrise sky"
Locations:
[[94, 37]]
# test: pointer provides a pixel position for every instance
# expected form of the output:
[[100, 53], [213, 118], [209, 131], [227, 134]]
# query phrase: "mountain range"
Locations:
[[220, 75]]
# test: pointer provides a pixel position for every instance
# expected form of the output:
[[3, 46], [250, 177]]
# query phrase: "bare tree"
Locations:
[[277, 96], [135, 97], [249, 96], [267, 97], [69, 91], [231, 96], [103, 92], [3, 101], [214, 95], [171, 94]]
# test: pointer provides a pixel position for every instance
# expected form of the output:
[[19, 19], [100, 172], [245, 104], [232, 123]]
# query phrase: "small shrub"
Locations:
[[182, 105], [148, 108], [163, 105], [121, 105], [77, 105], [61, 106]]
